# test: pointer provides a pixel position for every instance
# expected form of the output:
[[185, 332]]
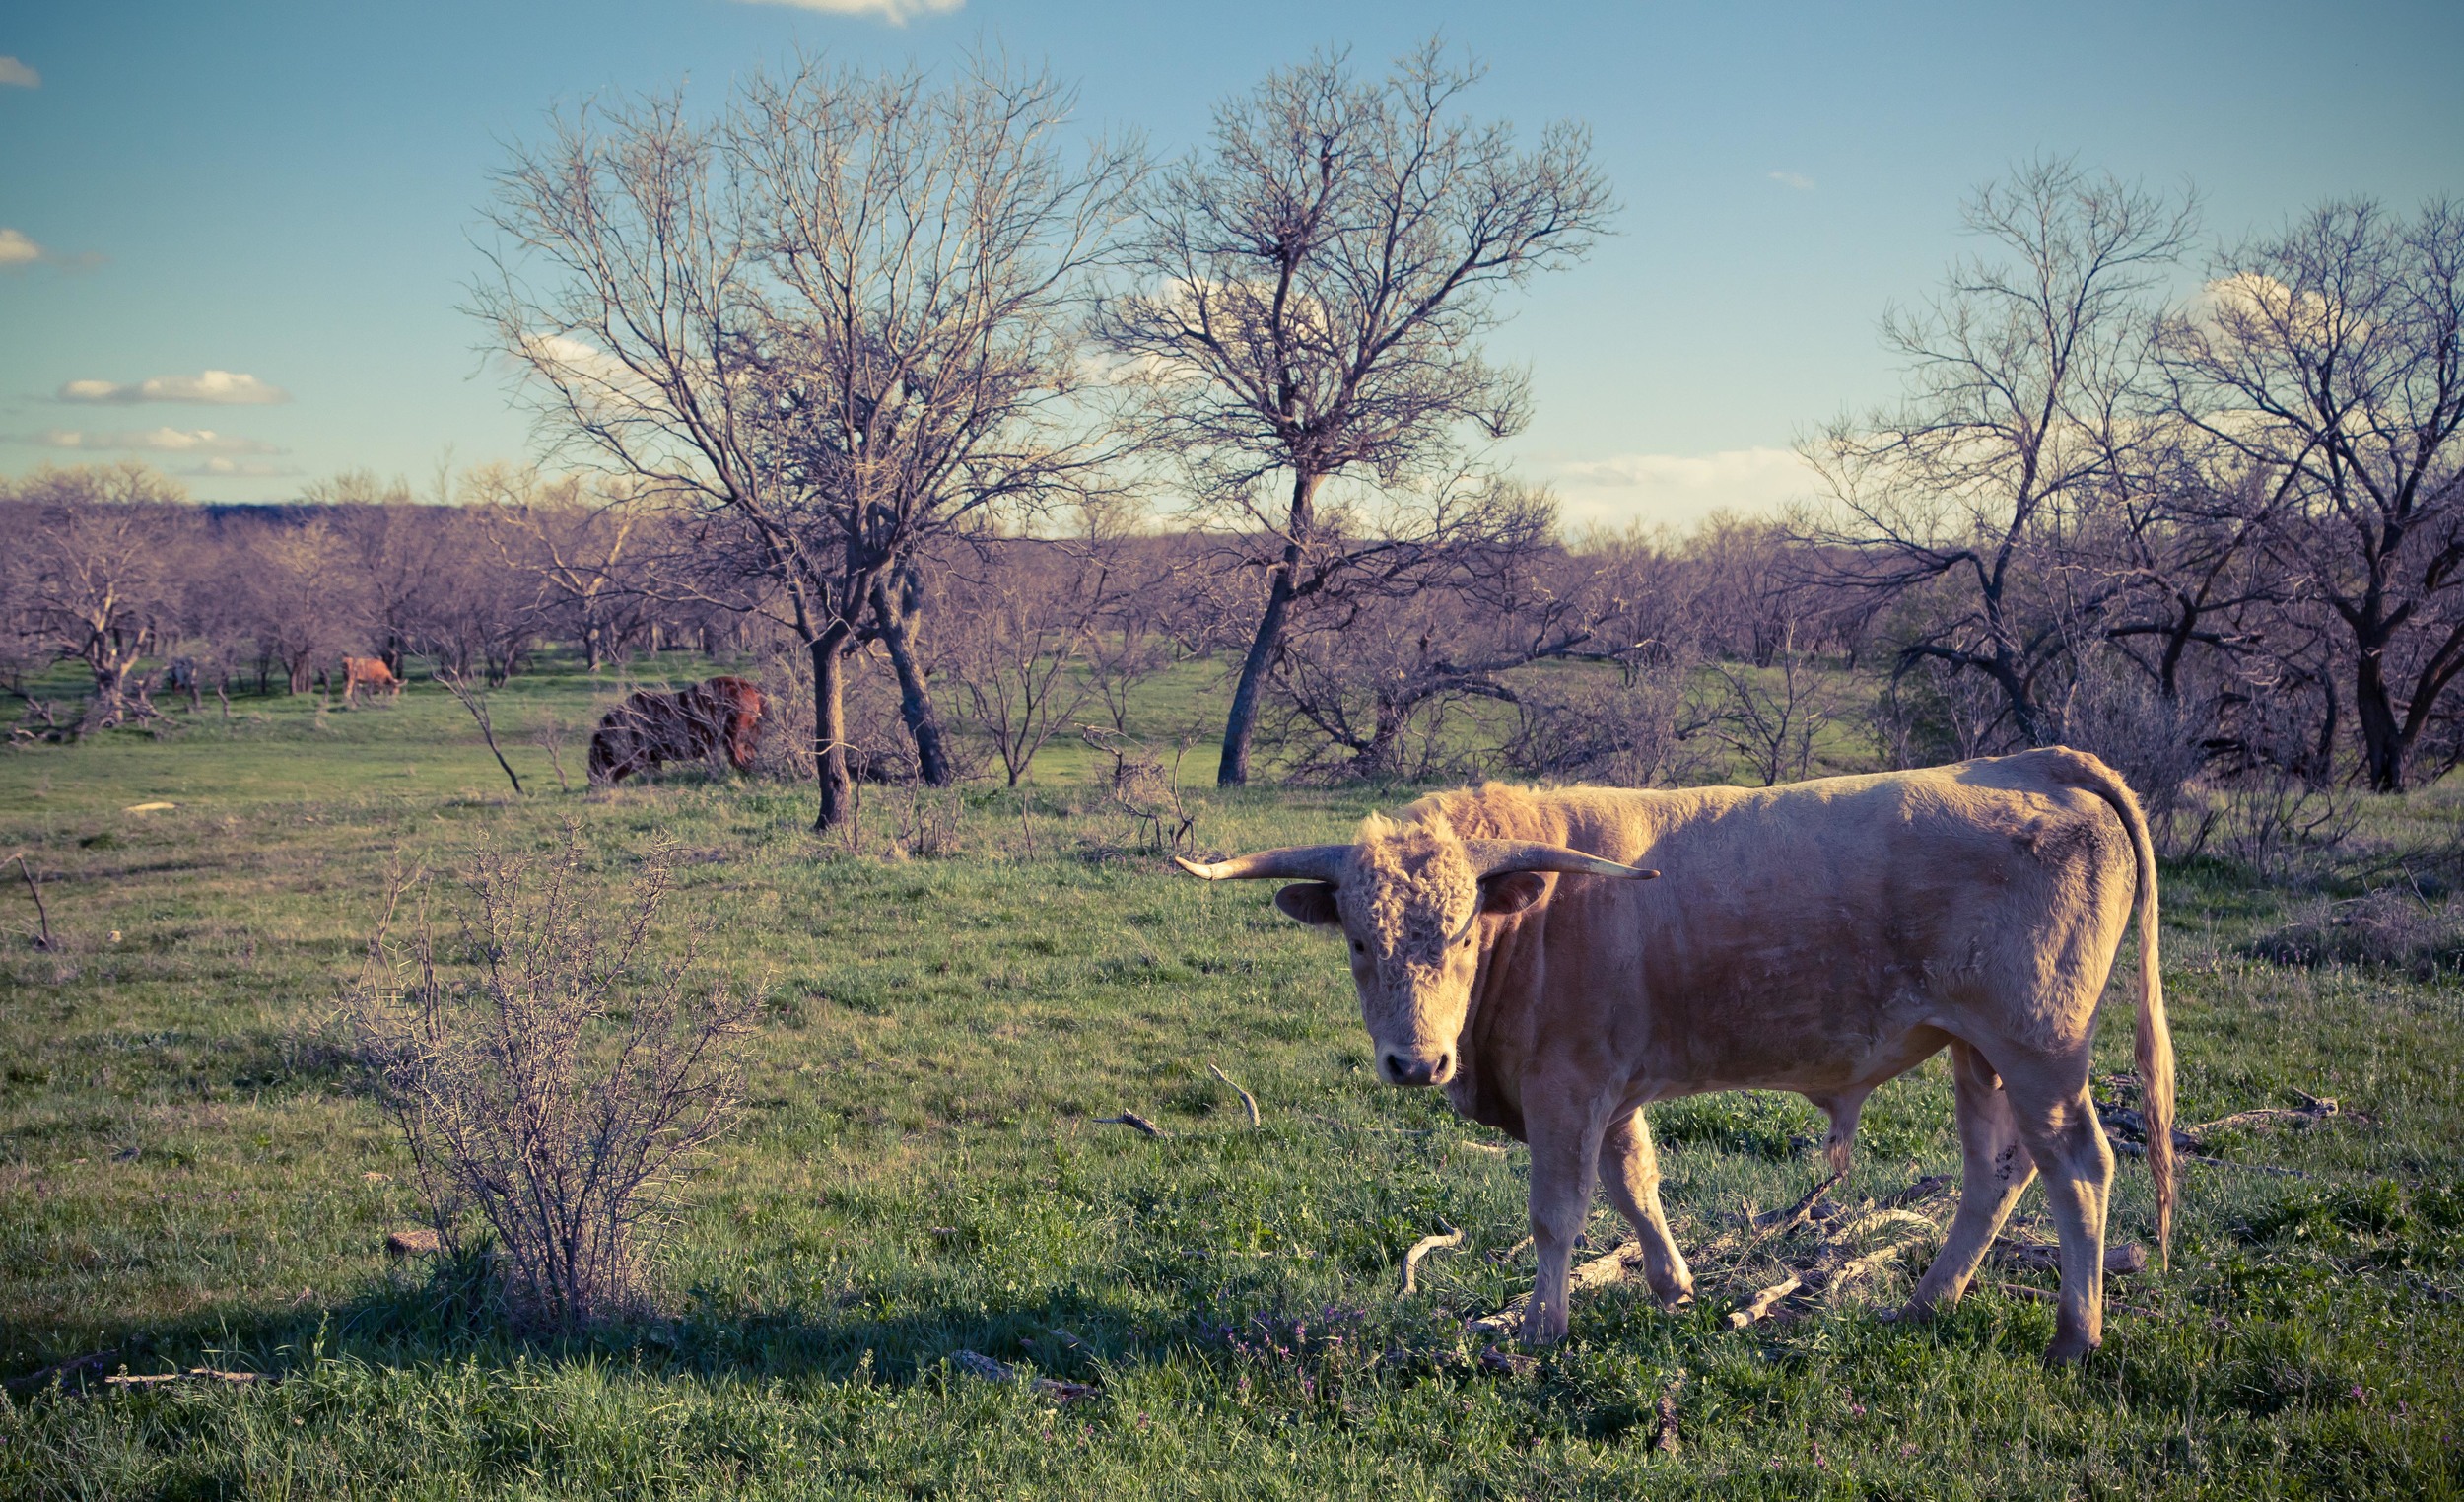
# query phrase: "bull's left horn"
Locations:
[[1495, 858], [1299, 862]]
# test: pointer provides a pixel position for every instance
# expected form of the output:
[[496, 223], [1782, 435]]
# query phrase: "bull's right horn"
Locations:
[[1298, 862]]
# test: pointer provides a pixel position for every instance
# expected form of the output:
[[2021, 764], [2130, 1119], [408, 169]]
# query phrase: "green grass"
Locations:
[[190, 1169]]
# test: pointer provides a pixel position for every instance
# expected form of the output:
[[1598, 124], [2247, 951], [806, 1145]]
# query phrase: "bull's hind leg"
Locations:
[[1995, 1167], [1631, 1170], [2058, 1119]]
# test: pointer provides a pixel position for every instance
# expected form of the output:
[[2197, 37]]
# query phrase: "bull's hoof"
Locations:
[[2069, 1350], [1547, 1330]]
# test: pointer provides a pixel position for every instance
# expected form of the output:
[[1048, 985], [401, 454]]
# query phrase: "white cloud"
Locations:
[[895, 12], [158, 440], [17, 250], [220, 388], [13, 72], [1798, 180], [253, 469], [1677, 489]]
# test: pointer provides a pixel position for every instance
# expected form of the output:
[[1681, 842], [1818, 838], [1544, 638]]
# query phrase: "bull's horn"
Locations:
[[1495, 858], [1299, 862]]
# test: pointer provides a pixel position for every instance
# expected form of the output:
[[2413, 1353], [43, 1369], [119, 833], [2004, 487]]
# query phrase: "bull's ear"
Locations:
[[1311, 902], [1512, 892]]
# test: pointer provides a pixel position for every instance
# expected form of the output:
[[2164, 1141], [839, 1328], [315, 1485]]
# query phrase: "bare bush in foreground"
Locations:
[[550, 1073]]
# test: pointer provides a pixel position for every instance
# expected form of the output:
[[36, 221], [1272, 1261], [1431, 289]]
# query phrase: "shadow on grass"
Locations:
[[456, 1314]]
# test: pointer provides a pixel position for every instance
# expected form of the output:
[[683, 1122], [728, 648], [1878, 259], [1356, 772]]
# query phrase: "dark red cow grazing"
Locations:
[[720, 714]]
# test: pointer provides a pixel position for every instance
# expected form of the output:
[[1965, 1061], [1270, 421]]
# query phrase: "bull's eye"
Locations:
[[1358, 947]]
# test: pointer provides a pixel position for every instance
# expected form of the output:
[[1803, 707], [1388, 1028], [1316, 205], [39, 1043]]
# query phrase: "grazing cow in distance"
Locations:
[[722, 715], [1822, 938], [370, 673]]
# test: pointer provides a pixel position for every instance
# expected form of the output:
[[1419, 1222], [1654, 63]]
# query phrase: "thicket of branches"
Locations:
[[2198, 511]]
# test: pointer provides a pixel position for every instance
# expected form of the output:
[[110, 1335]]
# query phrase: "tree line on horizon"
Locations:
[[897, 375]]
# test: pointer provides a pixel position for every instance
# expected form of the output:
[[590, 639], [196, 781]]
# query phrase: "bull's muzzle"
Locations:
[[1415, 1070]]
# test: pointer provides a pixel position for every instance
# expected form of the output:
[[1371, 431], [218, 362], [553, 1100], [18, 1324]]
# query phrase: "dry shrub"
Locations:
[[551, 1071], [2393, 929], [928, 820], [2273, 821], [2157, 743], [1632, 730], [1928, 714], [1162, 819]]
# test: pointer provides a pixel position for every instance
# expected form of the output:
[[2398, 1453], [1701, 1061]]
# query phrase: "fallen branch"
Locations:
[[1838, 1279], [2048, 1296], [1789, 1219], [1665, 1439], [1927, 1188], [1420, 1248], [2265, 1119], [1598, 1272], [2126, 1259], [1760, 1305], [1247, 1101], [1512, 1363], [2132, 1127], [1132, 1118], [193, 1374], [2139, 1150], [76, 1366], [477, 703], [977, 1364], [1391, 1132], [42, 914]]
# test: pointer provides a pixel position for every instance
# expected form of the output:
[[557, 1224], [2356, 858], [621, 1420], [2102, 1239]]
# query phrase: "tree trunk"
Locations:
[[897, 619], [2005, 671], [837, 794], [2384, 746], [1241, 723]]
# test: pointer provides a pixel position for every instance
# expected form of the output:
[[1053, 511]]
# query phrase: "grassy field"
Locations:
[[192, 1172]]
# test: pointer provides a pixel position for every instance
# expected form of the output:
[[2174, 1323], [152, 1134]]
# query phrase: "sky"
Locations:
[[237, 241]]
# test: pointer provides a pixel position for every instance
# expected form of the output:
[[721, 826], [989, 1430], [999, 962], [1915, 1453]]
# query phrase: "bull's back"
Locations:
[[1799, 935]]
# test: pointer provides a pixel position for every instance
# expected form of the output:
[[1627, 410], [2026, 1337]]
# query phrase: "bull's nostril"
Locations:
[[1394, 1066]]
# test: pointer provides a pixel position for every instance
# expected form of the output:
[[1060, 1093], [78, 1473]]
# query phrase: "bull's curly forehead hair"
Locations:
[[1414, 887]]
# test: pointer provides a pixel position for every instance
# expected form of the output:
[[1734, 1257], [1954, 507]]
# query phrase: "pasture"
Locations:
[[192, 1172]]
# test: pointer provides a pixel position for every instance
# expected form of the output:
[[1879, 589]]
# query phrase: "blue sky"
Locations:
[[285, 193]]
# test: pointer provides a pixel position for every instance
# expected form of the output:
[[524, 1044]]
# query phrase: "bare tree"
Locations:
[[587, 551], [2026, 380], [1022, 627], [1773, 718], [1312, 292], [826, 331], [2331, 359], [93, 577], [1376, 686], [305, 602], [390, 546]]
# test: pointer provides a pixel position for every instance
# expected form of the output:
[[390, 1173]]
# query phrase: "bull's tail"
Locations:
[[2155, 1038]]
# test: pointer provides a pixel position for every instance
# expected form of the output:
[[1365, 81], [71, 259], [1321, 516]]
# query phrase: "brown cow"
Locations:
[[649, 727], [370, 673], [1822, 939]]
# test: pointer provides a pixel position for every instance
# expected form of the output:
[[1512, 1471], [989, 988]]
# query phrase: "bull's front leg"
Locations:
[[1565, 1160]]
